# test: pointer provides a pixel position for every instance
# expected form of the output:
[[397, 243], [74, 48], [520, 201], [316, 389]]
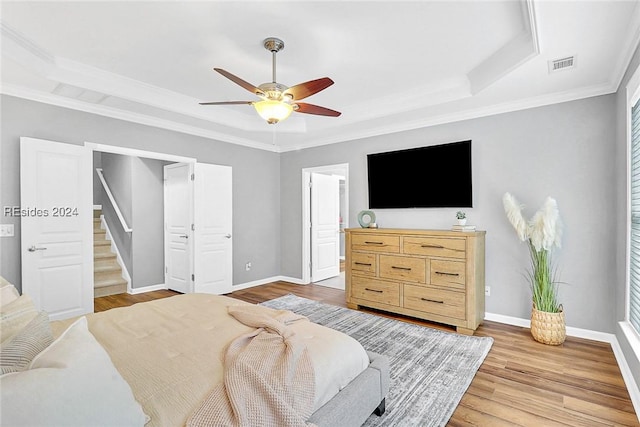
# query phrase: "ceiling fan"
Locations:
[[279, 101]]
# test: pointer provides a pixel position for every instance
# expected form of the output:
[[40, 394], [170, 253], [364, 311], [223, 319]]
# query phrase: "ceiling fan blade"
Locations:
[[302, 90], [226, 103], [237, 80], [315, 109]]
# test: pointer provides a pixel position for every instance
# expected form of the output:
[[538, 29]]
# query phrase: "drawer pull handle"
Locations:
[[432, 246], [363, 263], [373, 290], [432, 300], [401, 268], [374, 243], [444, 273]]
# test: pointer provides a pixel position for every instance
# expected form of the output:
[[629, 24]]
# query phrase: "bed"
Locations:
[[170, 353]]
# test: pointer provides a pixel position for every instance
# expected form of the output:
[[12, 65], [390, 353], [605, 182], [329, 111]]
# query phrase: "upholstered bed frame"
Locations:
[[358, 400]]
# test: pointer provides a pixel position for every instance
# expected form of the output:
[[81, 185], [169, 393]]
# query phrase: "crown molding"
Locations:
[[540, 101], [102, 110], [491, 110], [629, 48]]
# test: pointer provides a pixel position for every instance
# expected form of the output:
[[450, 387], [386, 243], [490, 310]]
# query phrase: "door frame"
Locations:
[[114, 149], [341, 169]]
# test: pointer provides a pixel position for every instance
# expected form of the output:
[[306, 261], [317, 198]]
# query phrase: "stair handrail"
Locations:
[[113, 201]]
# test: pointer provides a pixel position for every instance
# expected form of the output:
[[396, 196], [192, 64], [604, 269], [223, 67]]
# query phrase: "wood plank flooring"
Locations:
[[521, 382]]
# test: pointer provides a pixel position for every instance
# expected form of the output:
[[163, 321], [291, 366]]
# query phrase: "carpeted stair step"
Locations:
[[107, 273], [110, 287], [104, 242], [103, 260]]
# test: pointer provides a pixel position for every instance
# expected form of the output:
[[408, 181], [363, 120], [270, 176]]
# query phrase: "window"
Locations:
[[634, 238]]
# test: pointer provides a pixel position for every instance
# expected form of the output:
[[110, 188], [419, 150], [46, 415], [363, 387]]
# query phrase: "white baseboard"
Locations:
[[627, 376], [571, 331], [259, 282], [292, 280], [150, 288]]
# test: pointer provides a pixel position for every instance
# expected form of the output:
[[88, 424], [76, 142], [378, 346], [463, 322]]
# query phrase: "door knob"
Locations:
[[228, 236], [33, 249]]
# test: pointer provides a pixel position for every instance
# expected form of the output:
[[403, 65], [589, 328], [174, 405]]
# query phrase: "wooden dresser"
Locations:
[[436, 275]]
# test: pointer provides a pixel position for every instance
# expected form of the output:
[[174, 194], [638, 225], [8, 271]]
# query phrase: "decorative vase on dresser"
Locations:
[[435, 275]]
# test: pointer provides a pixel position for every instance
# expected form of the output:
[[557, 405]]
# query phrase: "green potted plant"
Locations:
[[542, 234], [461, 217]]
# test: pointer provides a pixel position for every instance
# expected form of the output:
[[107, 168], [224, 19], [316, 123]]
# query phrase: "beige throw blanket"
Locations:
[[268, 380]]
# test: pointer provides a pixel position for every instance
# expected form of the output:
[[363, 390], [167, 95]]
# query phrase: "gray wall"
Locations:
[[256, 176], [619, 217], [137, 186], [148, 222], [118, 174], [563, 151]]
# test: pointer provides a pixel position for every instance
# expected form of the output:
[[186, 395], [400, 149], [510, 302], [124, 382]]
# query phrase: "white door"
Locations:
[[178, 203], [213, 261], [325, 226], [56, 226]]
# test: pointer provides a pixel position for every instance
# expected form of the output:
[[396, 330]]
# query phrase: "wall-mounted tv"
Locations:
[[437, 176]]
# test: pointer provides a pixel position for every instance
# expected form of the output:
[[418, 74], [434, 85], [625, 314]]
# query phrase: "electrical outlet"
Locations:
[[487, 291], [247, 266], [6, 230]]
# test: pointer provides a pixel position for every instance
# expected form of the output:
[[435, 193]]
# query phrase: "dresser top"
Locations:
[[448, 233]]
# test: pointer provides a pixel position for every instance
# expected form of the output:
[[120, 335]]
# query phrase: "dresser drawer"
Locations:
[[403, 268], [448, 274], [375, 243], [375, 290], [362, 263], [437, 301], [435, 246]]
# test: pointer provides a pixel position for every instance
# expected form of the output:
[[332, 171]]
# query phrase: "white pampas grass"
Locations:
[[544, 230], [514, 213]]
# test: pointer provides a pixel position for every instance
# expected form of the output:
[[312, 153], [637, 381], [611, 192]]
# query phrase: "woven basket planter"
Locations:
[[548, 328]]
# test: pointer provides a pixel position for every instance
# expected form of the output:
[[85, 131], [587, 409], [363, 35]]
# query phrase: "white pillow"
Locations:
[[15, 316], [8, 292], [71, 383]]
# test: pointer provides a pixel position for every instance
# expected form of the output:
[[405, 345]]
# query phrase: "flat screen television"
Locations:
[[437, 176]]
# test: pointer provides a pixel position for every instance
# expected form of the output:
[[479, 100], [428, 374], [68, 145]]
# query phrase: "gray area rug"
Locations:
[[430, 369]]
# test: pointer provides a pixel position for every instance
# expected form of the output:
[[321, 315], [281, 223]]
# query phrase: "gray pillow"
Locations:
[[19, 351]]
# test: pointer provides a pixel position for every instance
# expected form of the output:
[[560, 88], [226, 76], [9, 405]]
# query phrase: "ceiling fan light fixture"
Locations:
[[273, 111]]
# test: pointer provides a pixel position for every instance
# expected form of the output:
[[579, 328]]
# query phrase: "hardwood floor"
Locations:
[[521, 382]]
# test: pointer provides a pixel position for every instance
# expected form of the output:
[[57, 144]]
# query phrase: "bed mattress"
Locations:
[[170, 351]]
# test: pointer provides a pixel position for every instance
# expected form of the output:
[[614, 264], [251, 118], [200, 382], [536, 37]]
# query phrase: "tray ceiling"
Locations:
[[396, 65]]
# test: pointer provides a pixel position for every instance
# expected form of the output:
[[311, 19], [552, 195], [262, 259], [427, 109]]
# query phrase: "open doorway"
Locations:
[[327, 211], [136, 177]]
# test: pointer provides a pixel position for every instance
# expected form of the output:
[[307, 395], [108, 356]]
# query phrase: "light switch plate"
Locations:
[[6, 230]]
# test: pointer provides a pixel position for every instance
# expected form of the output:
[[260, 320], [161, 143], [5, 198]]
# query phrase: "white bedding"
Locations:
[[170, 352]]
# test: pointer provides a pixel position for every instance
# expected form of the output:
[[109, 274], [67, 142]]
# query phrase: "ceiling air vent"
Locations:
[[562, 64]]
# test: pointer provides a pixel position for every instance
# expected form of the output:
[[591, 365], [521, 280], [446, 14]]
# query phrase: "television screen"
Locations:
[[437, 176]]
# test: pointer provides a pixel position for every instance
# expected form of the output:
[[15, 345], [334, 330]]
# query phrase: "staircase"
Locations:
[[107, 273]]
